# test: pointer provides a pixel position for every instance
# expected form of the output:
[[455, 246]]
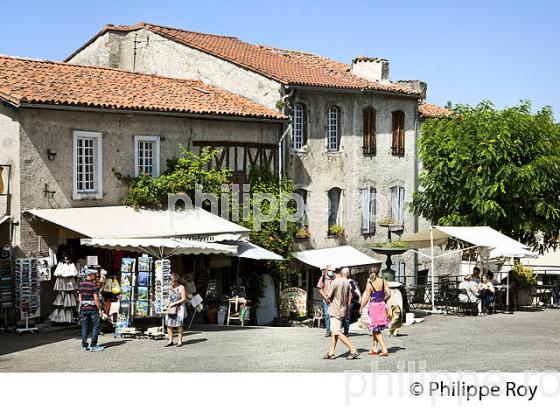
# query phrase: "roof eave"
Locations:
[[353, 90], [183, 114]]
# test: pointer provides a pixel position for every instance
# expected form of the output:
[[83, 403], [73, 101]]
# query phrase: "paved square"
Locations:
[[523, 341]]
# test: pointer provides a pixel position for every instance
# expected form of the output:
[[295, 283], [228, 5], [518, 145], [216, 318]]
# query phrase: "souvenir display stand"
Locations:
[[6, 290], [66, 286], [27, 292]]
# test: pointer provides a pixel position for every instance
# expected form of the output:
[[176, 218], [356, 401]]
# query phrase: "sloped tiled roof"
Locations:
[[52, 83], [428, 110], [285, 66]]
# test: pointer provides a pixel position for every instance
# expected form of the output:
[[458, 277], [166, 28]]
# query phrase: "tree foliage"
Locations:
[[182, 175], [484, 166]]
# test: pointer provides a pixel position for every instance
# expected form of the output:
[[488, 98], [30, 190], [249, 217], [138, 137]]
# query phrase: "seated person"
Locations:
[[475, 277], [490, 275], [467, 288], [486, 294]]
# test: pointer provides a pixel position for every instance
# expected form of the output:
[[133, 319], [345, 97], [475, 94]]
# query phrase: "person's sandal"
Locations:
[[372, 353], [169, 344], [180, 344], [353, 355], [384, 354], [328, 356]]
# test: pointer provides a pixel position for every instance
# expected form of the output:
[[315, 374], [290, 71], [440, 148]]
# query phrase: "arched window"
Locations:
[[334, 206], [333, 128], [299, 126]]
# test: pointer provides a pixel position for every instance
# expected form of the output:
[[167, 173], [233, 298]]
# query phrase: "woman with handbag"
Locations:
[[376, 294], [175, 310]]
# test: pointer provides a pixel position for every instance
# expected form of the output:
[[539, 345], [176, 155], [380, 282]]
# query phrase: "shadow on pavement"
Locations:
[[108, 345], [195, 341], [217, 328], [11, 342]]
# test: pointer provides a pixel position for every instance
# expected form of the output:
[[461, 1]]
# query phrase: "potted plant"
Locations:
[[390, 223], [526, 282], [397, 244], [303, 233], [336, 231]]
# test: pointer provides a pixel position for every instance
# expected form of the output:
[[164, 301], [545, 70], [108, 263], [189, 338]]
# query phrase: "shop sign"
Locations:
[[293, 302]]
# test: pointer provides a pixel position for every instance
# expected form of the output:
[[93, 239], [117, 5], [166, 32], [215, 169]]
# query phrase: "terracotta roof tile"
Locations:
[[285, 66], [52, 83], [428, 110]]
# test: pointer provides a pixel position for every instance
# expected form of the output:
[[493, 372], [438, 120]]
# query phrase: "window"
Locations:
[[399, 267], [397, 204], [369, 210], [368, 138], [302, 223], [334, 205], [398, 133], [299, 126], [333, 128], [146, 155], [87, 165]]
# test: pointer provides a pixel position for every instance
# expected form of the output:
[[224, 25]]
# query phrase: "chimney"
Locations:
[[373, 69], [415, 85]]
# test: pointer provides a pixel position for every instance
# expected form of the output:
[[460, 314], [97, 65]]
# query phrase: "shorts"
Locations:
[[336, 326]]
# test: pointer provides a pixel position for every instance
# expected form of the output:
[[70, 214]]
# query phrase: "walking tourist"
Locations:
[[90, 311], [340, 296], [486, 295], [376, 293], [356, 295], [175, 311], [323, 286]]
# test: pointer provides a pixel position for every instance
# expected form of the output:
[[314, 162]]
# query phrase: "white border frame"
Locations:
[[98, 194], [156, 156]]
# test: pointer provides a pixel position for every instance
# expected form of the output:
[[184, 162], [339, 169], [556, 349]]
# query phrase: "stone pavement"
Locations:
[[523, 341]]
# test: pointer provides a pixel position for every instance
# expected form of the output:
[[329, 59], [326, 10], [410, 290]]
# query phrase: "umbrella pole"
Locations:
[[432, 267], [507, 289]]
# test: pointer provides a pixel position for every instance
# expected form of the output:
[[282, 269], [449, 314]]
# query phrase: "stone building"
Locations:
[[66, 129], [352, 145]]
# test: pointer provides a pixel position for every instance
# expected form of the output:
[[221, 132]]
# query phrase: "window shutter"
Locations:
[[373, 133], [372, 209], [365, 210], [368, 140], [395, 143], [401, 204], [401, 133], [394, 203]]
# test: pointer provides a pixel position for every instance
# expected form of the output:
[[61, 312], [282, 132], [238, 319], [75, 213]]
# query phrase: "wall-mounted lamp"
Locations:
[[51, 155]]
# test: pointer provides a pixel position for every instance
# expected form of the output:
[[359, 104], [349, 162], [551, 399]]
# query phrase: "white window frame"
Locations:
[[397, 203], [298, 127], [334, 114], [337, 220], [369, 210], [97, 191], [155, 154]]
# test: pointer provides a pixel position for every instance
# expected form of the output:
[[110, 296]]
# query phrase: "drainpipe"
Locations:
[[286, 112], [415, 184]]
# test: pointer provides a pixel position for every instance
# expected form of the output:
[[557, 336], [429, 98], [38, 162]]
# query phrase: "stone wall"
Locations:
[[43, 129], [155, 54]]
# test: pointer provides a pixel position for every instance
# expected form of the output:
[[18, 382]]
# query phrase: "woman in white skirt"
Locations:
[[175, 315]]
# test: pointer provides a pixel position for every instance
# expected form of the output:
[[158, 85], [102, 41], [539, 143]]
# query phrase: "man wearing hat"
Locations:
[[90, 310]]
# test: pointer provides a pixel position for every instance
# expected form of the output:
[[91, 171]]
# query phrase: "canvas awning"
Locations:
[[125, 222], [4, 218], [495, 243], [337, 257], [161, 247], [249, 250]]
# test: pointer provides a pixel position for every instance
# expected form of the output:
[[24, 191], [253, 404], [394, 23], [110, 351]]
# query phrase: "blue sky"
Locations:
[[467, 51]]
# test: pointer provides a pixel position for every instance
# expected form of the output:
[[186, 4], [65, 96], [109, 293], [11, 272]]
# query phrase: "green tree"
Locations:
[[484, 166], [182, 175]]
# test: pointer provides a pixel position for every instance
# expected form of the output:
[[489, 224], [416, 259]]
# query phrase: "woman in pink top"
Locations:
[[375, 295]]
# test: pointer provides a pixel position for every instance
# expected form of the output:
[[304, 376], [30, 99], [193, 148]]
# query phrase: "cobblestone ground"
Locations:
[[523, 341]]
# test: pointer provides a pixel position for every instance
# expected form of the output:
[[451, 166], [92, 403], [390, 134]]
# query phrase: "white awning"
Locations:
[[496, 243], [4, 218], [161, 247], [337, 257], [249, 250], [126, 222]]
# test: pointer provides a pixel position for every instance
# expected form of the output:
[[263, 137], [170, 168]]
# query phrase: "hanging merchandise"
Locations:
[[44, 269], [6, 285], [66, 286], [115, 287], [27, 288], [143, 291], [162, 280], [128, 268]]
